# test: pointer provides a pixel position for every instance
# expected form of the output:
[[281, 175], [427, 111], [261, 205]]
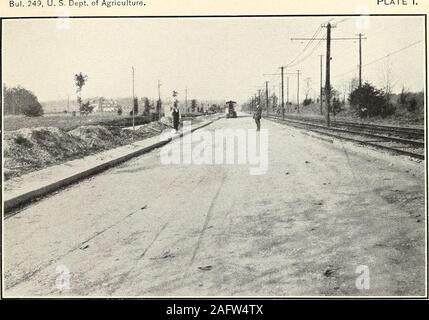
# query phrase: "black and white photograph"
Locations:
[[271, 156]]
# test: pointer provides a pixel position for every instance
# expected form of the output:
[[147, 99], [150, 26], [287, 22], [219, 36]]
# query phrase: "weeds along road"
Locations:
[[303, 228]]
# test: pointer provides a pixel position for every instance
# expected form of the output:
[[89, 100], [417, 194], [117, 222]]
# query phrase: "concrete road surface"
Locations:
[[325, 219]]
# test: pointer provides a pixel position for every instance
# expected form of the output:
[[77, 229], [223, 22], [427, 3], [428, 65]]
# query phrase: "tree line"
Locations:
[[18, 100]]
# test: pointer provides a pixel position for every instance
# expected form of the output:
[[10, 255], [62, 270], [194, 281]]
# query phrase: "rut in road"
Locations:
[[155, 238], [206, 221]]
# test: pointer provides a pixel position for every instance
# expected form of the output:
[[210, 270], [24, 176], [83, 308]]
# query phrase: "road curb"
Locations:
[[34, 195]]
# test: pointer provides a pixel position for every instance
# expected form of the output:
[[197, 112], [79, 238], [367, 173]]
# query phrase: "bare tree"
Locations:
[[80, 80], [354, 84], [387, 78], [345, 90], [307, 87]]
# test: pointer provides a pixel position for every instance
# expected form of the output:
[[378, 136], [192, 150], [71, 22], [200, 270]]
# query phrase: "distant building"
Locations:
[[104, 105]]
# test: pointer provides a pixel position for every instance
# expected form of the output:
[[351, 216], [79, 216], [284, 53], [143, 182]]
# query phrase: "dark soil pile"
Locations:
[[27, 150]]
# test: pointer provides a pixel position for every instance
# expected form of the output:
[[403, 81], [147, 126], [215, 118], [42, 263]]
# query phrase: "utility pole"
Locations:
[[282, 86], [266, 93], [297, 94], [321, 85], [273, 103], [360, 60], [133, 100], [283, 98], [287, 94], [328, 59], [328, 74]]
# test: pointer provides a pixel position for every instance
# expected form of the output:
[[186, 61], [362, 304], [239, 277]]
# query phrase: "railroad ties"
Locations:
[[399, 140]]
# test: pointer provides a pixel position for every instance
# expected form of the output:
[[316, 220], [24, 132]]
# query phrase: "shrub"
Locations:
[[336, 105], [370, 101], [407, 100], [33, 110], [412, 105], [307, 102], [18, 100], [86, 109], [135, 106]]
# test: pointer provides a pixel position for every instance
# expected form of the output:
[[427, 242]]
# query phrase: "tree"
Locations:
[[175, 101], [18, 100], [370, 101], [403, 97], [33, 110], [387, 79], [307, 101], [274, 100], [307, 87], [406, 100], [336, 105], [193, 105], [146, 106], [135, 106], [86, 108], [80, 80], [353, 85], [158, 107]]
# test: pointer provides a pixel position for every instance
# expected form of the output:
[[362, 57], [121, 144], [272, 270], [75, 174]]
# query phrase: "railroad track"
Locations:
[[405, 132], [371, 135]]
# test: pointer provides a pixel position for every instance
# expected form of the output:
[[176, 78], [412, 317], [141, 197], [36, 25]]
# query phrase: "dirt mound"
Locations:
[[98, 137], [27, 150]]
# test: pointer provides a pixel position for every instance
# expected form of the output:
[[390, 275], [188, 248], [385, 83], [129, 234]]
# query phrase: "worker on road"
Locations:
[[257, 116], [176, 117]]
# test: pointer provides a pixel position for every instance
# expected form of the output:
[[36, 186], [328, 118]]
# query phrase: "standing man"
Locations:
[[176, 116], [257, 116]]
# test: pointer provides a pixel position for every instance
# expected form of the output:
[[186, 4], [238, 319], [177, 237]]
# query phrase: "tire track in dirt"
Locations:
[[207, 219], [125, 276]]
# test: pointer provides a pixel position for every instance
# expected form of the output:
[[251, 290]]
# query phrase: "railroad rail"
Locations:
[[397, 144]]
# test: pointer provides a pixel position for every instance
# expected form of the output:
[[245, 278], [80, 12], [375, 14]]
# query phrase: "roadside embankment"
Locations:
[[27, 150]]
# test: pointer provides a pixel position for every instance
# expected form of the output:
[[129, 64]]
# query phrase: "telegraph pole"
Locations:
[[266, 94], [273, 104], [328, 59], [133, 100], [283, 98], [287, 94], [297, 93], [328, 74], [282, 87], [321, 85], [360, 60]]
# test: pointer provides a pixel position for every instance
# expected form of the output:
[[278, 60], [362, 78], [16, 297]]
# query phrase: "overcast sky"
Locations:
[[216, 58]]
